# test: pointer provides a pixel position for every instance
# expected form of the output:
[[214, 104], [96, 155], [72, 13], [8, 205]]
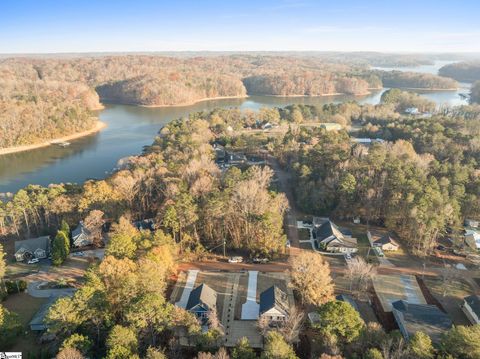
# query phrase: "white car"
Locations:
[[348, 256], [33, 261], [235, 260], [260, 260]]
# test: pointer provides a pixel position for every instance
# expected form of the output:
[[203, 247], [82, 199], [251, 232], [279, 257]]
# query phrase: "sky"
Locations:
[[47, 26]]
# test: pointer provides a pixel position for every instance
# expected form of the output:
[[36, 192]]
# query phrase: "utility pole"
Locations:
[[224, 243]]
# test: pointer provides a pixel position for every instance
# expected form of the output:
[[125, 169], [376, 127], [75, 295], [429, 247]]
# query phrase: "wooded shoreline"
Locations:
[[99, 125]]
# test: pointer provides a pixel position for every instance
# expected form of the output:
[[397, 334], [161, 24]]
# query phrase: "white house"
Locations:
[[273, 306], [81, 236], [328, 237], [471, 308]]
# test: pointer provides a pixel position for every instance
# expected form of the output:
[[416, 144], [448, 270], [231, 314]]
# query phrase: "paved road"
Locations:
[[34, 291]]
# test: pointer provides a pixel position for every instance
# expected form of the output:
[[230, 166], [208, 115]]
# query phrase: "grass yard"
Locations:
[[20, 268], [455, 291], [25, 306], [303, 234]]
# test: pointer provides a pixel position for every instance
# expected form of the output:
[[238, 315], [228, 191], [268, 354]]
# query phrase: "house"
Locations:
[[329, 238], [472, 238], [412, 111], [391, 288], [472, 223], [202, 300], [471, 308], [233, 158], [274, 305], [331, 126], [412, 318], [385, 242], [38, 321], [32, 248], [145, 225], [81, 236]]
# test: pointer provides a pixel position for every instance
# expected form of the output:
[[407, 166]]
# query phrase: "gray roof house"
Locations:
[[412, 318], [32, 248], [202, 300], [471, 308], [38, 321], [274, 304], [329, 237], [81, 236]]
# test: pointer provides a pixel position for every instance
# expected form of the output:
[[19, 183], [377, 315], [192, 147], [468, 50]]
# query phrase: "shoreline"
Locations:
[[99, 125], [185, 104]]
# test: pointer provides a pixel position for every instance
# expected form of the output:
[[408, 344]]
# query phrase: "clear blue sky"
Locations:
[[42, 26]]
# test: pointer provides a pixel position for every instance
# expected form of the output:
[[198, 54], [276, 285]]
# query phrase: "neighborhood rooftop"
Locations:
[[412, 318], [203, 294]]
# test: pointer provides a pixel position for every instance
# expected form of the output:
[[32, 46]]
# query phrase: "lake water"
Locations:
[[130, 128]]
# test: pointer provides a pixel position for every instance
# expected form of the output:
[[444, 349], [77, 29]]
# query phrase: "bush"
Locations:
[[15, 286]]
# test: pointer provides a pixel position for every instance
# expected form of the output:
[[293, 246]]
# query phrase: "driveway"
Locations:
[[251, 308], [34, 290], [191, 278]]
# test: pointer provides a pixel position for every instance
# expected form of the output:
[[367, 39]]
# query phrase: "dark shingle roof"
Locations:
[[326, 230], [387, 238], [474, 302], [203, 294], [412, 318], [273, 297]]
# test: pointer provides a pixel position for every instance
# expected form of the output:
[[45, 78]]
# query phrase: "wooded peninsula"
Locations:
[[47, 98]]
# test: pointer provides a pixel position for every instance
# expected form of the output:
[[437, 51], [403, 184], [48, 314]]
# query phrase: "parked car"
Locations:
[[237, 259], [348, 256], [288, 244], [260, 260], [441, 247], [33, 261], [78, 254]]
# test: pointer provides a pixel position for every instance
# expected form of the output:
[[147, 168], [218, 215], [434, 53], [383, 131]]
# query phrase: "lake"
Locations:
[[129, 128]]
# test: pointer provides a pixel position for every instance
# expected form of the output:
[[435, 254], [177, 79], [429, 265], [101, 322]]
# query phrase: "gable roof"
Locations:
[[33, 243], [328, 229], [412, 318], [80, 230], [273, 297], [474, 302], [386, 239], [203, 294]]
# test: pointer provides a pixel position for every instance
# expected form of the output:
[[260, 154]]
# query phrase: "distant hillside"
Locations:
[[44, 98], [462, 71], [415, 80]]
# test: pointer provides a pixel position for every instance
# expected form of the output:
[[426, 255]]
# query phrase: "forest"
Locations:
[[44, 98], [475, 93], [415, 80], [418, 179], [462, 71]]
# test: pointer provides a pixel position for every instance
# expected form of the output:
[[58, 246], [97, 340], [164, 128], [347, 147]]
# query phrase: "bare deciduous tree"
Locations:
[[93, 223], [360, 273]]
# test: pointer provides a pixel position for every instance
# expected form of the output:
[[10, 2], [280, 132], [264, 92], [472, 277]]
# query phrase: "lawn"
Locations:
[[20, 268], [455, 291], [303, 234], [25, 306]]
